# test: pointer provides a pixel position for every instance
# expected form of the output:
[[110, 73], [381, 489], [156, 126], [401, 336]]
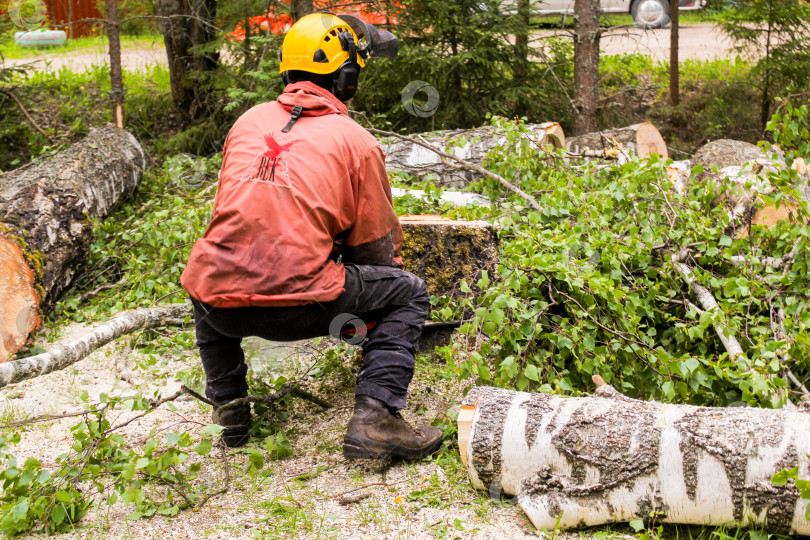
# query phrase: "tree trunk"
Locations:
[[301, 8], [642, 139], [45, 223], [116, 74], [580, 462], [586, 65], [187, 28], [524, 12], [674, 64], [412, 159]]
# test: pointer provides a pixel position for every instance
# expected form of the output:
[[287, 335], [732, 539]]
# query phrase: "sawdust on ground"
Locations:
[[405, 500]]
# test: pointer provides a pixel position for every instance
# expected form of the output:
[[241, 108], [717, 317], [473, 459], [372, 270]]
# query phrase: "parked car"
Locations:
[[646, 13]]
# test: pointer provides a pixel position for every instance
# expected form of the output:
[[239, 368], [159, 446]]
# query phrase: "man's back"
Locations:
[[283, 198]]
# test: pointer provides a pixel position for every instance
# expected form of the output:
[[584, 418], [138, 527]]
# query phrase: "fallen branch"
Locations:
[[795, 380], [223, 454], [463, 164], [708, 302], [373, 484], [286, 389], [52, 417], [773, 262], [780, 335], [353, 499], [92, 294], [70, 353], [12, 95]]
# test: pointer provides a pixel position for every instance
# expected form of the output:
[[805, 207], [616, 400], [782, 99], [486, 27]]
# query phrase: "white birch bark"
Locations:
[[410, 158], [577, 462], [70, 353]]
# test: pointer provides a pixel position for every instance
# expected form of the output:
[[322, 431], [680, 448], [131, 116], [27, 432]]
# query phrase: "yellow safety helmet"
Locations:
[[313, 45]]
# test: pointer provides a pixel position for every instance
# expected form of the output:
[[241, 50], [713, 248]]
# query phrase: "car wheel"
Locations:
[[650, 13]]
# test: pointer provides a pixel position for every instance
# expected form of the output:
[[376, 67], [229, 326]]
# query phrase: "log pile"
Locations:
[[746, 166], [579, 462], [642, 139], [406, 157], [45, 223], [472, 145]]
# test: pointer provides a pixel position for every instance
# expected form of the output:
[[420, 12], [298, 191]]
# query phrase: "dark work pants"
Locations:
[[392, 303]]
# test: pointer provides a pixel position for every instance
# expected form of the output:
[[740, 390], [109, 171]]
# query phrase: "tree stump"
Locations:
[[404, 156], [46, 213], [444, 252], [579, 462], [642, 139]]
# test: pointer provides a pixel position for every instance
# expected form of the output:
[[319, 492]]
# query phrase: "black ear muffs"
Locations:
[[346, 79], [347, 75]]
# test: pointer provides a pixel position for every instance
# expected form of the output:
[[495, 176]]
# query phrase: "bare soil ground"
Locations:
[[697, 42], [427, 499]]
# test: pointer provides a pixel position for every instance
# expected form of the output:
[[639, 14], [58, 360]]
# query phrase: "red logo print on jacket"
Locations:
[[268, 163]]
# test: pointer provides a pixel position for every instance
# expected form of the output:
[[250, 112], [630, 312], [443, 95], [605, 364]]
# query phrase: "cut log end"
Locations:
[[465, 419], [770, 215], [444, 252], [553, 135], [649, 141], [18, 310], [642, 139]]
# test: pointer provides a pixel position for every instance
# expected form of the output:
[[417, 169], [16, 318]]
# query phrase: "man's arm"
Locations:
[[376, 236]]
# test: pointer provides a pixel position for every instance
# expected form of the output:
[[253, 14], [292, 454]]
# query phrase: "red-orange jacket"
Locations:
[[285, 201]]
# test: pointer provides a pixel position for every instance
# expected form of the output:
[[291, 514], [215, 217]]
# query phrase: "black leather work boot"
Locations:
[[376, 432], [236, 422]]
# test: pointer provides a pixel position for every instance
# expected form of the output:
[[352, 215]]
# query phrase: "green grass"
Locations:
[[66, 104], [98, 43]]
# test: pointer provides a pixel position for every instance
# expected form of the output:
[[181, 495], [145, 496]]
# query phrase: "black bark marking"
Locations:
[[535, 409], [732, 437], [620, 450], [649, 508], [487, 440], [779, 502]]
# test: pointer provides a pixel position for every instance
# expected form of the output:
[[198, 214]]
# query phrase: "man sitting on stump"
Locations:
[[302, 184]]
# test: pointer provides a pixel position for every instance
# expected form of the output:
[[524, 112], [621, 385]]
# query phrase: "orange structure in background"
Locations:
[[278, 23], [62, 12]]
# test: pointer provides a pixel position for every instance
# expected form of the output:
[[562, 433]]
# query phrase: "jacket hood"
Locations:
[[315, 101]]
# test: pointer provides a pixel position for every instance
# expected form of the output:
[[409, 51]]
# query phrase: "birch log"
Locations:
[[70, 353], [642, 139], [606, 458], [404, 156], [45, 223]]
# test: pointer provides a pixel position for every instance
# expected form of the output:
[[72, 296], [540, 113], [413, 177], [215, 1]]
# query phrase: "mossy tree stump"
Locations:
[[444, 252]]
